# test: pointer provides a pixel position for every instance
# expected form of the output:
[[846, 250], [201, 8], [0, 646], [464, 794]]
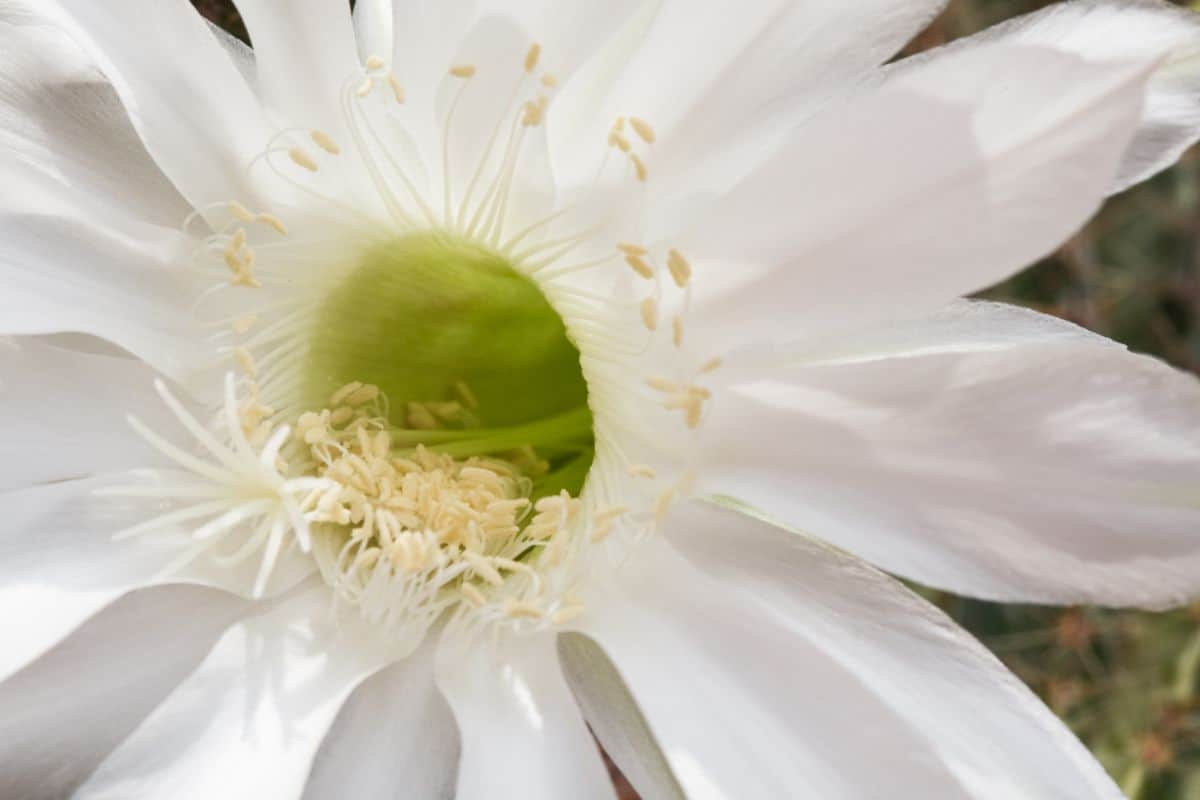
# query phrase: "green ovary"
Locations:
[[423, 315]]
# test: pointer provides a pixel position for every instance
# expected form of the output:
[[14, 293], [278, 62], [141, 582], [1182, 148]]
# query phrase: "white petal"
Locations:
[[700, 78], [965, 168], [50, 433], [61, 715], [305, 51], [394, 737], [989, 450], [248, 721], [57, 568], [59, 564], [63, 126], [68, 274], [522, 734], [373, 27], [186, 97], [774, 666], [1113, 30], [613, 714]]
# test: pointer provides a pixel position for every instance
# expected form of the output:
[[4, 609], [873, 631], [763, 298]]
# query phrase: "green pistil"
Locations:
[[421, 314]]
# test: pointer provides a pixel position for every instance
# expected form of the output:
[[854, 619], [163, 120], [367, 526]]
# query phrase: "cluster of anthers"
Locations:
[[407, 532], [398, 526]]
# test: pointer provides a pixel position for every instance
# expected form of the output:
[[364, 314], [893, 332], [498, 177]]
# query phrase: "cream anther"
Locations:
[[711, 365], [517, 609], [375, 62], [643, 130], [242, 325], [397, 89], [302, 159], [639, 167], [535, 111], [549, 81], [640, 266], [649, 312], [677, 331], [463, 71], [339, 396], [274, 222], [240, 211], [566, 614], [532, 57], [325, 142], [246, 362], [632, 249], [679, 267], [664, 385], [421, 418], [365, 87], [619, 140]]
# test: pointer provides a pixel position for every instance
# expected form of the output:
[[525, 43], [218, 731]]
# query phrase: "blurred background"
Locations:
[[1125, 681]]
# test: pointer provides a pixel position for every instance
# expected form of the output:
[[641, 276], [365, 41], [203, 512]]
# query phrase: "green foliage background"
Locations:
[[1125, 681]]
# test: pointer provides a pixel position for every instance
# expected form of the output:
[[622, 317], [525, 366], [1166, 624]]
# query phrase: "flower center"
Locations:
[[468, 351]]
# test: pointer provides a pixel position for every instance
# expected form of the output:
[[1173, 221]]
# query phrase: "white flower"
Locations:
[[546, 316]]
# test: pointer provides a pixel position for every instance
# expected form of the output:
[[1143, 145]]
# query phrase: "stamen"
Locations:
[[240, 211], [274, 222], [246, 362], [618, 140], [303, 159], [242, 325], [531, 57], [397, 89], [463, 71], [325, 142], [640, 266], [639, 167], [679, 267], [649, 312], [643, 130]]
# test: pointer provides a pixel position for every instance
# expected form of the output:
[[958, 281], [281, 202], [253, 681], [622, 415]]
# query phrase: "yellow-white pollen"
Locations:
[[643, 130], [303, 159]]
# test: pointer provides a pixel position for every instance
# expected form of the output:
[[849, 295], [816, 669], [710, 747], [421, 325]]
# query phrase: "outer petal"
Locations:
[[305, 51], [989, 450], [64, 273], [186, 97], [56, 570], [61, 715], [1108, 30], [62, 124], [248, 721], [970, 165], [703, 78], [59, 564], [395, 737], [522, 734], [49, 435], [770, 665], [373, 27]]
